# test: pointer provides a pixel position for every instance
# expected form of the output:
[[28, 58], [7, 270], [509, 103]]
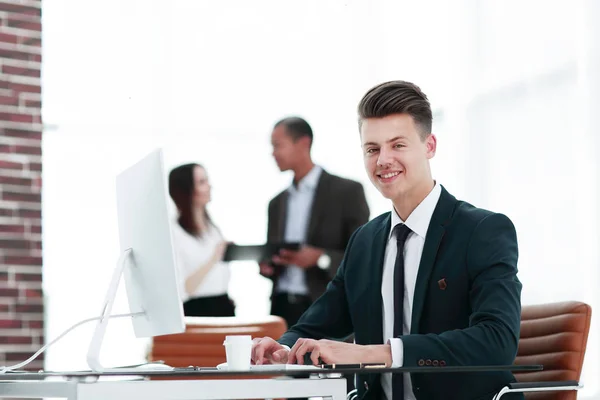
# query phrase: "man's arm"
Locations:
[[495, 296], [266, 268], [328, 316], [355, 214]]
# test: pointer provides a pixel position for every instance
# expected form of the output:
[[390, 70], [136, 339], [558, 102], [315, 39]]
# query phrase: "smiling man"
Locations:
[[431, 283]]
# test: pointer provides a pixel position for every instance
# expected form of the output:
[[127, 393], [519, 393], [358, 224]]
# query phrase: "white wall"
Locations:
[[206, 81]]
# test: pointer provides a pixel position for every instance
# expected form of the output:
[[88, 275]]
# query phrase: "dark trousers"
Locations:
[[211, 306], [289, 306]]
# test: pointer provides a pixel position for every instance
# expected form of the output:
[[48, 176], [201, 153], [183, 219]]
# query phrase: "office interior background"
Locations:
[[515, 86]]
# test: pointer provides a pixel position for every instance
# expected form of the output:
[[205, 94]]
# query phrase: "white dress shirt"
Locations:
[[193, 252], [418, 222], [299, 205]]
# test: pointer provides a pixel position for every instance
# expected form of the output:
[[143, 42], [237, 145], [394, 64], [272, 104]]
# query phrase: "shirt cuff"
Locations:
[[286, 347], [397, 352]]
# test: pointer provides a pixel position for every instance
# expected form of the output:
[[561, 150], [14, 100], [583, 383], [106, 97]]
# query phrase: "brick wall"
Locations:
[[21, 300]]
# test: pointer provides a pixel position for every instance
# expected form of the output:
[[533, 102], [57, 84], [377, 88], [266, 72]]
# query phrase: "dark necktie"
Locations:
[[401, 232]]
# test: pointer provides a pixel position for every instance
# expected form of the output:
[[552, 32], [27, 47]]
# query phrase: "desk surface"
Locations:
[[197, 389], [206, 372]]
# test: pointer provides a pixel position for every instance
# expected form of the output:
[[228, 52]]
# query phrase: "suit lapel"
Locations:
[[435, 233], [319, 204], [376, 275]]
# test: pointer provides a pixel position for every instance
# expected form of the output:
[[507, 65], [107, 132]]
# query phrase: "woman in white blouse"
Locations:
[[199, 245]]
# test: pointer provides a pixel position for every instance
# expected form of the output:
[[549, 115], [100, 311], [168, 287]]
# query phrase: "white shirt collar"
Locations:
[[310, 181], [418, 220]]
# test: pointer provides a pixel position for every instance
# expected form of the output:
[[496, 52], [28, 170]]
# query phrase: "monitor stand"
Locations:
[[93, 356]]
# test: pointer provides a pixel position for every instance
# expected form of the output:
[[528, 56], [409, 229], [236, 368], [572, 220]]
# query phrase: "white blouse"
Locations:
[[193, 252]]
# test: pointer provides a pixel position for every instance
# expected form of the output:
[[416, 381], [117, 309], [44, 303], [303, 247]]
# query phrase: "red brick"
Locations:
[[27, 213], [14, 244], [24, 197], [29, 308], [35, 229], [17, 55], [17, 356], [16, 340], [18, 133], [10, 324], [8, 38], [22, 9], [14, 180], [35, 365], [36, 324], [33, 166], [23, 88], [32, 293], [23, 24], [6, 212], [33, 103], [23, 260], [31, 41], [35, 57], [9, 69], [5, 228], [29, 277], [9, 292], [9, 101], [10, 165], [33, 150], [3, 276], [4, 307]]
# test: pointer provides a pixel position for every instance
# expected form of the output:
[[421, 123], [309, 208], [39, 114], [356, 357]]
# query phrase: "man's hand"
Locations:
[[268, 351], [334, 352], [266, 269], [306, 257]]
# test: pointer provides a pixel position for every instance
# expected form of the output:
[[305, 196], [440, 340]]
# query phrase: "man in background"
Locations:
[[319, 210]]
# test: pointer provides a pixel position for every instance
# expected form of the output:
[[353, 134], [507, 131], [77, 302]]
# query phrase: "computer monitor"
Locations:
[[147, 257]]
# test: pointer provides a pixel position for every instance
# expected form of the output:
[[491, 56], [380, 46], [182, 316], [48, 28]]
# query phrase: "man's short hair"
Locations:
[[397, 97], [296, 128]]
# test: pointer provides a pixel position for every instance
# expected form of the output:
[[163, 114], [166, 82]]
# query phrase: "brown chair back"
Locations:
[[202, 342], [555, 336]]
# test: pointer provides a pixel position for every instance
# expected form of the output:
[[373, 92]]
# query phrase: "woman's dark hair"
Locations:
[[181, 188]]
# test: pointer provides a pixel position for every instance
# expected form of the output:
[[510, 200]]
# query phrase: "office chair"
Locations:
[[555, 336], [202, 342]]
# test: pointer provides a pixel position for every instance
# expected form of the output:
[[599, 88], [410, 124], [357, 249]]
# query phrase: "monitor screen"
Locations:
[[151, 278], [147, 258]]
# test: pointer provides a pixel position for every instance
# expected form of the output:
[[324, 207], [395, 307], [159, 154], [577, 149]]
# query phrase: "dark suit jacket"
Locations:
[[338, 209], [473, 320]]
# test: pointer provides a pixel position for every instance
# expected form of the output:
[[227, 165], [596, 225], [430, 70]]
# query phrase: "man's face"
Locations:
[[395, 156], [285, 149]]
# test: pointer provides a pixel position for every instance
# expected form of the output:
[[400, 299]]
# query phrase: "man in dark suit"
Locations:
[[431, 283], [319, 210]]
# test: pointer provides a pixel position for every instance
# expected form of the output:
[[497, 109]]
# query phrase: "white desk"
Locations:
[[85, 386], [79, 389]]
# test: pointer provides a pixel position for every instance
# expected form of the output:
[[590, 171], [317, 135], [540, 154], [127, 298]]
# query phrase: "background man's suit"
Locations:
[[339, 207], [466, 306]]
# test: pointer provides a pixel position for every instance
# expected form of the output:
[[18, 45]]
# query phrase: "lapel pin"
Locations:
[[442, 284]]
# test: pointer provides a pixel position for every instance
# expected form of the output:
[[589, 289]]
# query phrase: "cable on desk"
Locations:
[[6, 369]]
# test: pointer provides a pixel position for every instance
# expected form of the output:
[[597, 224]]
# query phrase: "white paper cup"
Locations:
[[238, 349]]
